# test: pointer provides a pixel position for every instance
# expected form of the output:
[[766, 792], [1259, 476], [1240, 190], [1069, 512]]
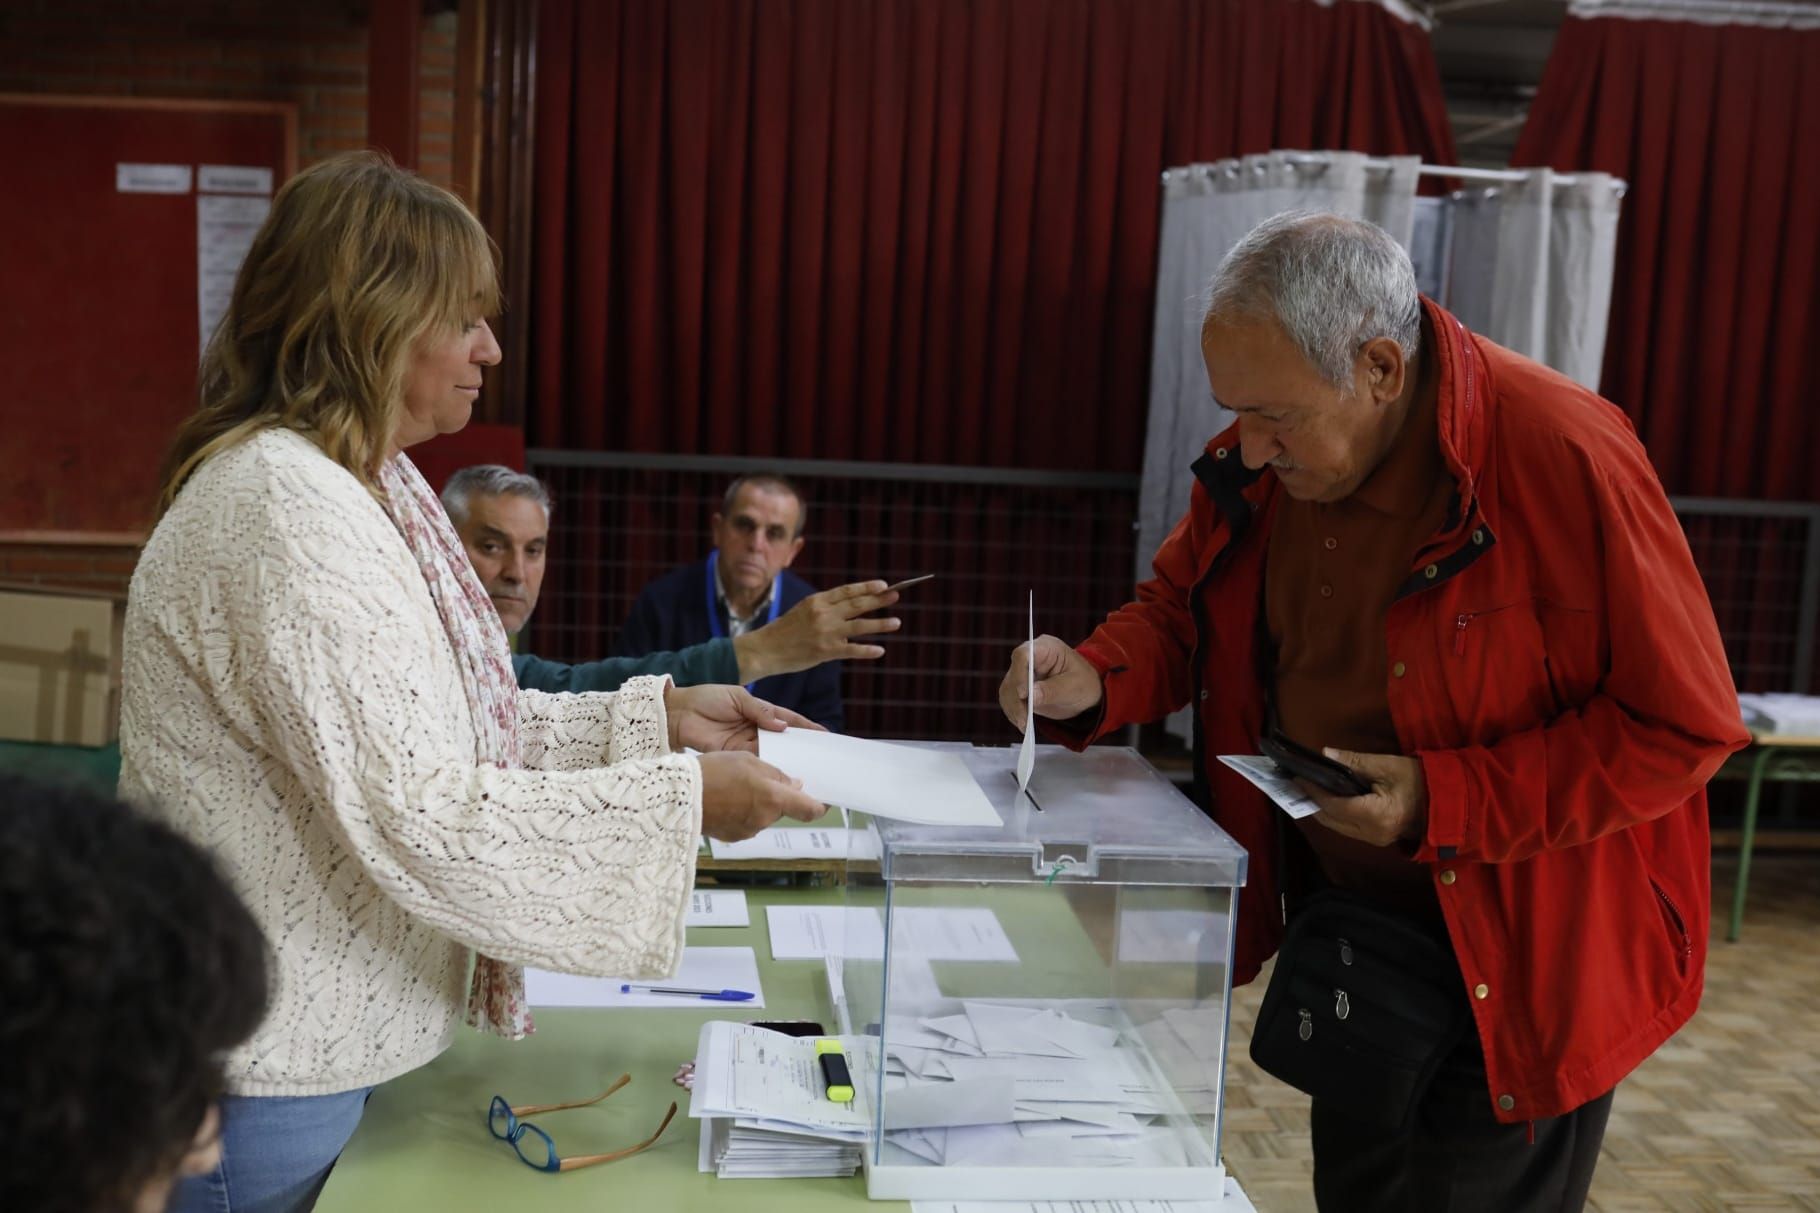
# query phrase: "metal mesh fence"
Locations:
[[1761, 564]]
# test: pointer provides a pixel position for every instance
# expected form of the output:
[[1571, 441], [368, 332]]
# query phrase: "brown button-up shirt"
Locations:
[[1332, 574]]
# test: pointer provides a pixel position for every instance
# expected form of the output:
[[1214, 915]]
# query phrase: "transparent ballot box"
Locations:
[[1050, 998]]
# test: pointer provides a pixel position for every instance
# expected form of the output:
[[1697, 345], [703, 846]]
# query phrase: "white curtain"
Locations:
[[1529, 264], [1206, 209]]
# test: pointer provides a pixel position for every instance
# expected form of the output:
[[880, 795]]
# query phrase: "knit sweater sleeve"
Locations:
[[582, 866], [569, 732]]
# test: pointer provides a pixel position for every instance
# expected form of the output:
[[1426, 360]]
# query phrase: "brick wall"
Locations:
[[311, 52], [102, 563]]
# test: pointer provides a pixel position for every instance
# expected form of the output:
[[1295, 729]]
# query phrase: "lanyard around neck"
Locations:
[[714, 624]]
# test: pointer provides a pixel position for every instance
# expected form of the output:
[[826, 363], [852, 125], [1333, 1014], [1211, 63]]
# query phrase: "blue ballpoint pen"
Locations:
[[712, 995]]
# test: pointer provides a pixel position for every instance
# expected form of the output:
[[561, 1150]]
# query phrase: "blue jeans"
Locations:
[[276, 1151]]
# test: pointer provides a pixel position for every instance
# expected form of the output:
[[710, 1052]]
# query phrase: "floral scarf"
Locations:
[[496, 996]]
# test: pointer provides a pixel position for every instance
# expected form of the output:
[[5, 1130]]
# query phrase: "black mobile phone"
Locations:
[[790, 1027], [1318, 769]]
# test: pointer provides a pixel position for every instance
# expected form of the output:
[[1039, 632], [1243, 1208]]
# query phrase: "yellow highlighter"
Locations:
[[834, 1070]]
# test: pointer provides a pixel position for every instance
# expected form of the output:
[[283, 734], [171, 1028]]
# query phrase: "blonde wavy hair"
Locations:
[[358, 261]]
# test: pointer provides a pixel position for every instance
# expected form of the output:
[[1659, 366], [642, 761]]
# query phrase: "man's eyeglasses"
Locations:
[[534, 1147]]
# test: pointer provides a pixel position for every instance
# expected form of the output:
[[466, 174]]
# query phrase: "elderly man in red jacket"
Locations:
[[1455, 572]]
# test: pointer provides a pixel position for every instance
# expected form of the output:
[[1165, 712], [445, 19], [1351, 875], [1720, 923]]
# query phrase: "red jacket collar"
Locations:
[[1462, 404]]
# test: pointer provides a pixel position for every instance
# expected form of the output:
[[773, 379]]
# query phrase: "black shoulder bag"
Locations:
[[1363, 1006]]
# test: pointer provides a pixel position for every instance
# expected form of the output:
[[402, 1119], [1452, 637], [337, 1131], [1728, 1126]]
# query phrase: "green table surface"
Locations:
[[424, 1144]]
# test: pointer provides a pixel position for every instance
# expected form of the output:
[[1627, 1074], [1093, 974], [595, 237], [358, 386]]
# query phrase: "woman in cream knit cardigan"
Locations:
[[317, 689]]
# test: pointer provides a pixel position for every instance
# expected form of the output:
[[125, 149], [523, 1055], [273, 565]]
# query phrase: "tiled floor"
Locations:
[[1724, 1117]]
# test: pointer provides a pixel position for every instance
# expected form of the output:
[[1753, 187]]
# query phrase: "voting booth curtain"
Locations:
[[1528, 263], [906, 230]]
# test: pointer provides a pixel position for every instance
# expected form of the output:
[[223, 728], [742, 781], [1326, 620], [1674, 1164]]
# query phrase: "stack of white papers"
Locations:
[[1782, 715], [763, 1104], [1021, 1083], [1232, 1201]]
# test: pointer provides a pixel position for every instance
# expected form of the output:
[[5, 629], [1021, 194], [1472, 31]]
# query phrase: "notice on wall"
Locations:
[[233, 179], [225, 226], [152, 178]]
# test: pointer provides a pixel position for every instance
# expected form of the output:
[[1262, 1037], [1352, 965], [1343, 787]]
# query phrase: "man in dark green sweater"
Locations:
[[503, 518]]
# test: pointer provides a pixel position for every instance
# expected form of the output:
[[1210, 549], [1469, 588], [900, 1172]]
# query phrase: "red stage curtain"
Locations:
[[906, 230], [1715, 315]]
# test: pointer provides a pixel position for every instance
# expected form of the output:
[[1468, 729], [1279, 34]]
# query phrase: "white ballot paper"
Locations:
[[1232, 1201], [1273, 783], [718, 908], [701, 969], [811, 932], [1026, 756], [908, 783], [795, 843]]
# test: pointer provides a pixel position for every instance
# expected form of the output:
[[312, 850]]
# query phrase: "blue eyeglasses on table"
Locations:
[[533, 1145]]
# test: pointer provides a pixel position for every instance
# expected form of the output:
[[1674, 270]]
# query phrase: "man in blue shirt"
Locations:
[[745, 583], [503, 518]]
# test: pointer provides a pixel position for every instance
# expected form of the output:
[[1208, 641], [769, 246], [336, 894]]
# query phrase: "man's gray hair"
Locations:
[[491, 480], [1333, 283]]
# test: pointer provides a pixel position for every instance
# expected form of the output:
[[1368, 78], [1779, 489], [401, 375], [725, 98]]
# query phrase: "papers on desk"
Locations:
[[1232, 1201], [790, 843], [718, 908], [1270, 779], [1021, 1083], [907, 783], [763, 1104], [701, 969], [1782, 715], [812, 932]]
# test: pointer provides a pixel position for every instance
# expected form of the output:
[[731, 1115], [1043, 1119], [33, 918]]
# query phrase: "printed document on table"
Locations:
[[1273, 783], [718, 908], [811, 932], [701, 969], [907, 783], [795, 843]]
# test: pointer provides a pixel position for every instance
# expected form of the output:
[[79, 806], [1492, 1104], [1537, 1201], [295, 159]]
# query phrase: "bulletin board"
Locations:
[[122, 218]]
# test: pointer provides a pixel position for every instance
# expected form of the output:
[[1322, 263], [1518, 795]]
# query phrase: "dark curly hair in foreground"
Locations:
[[127, 968]]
